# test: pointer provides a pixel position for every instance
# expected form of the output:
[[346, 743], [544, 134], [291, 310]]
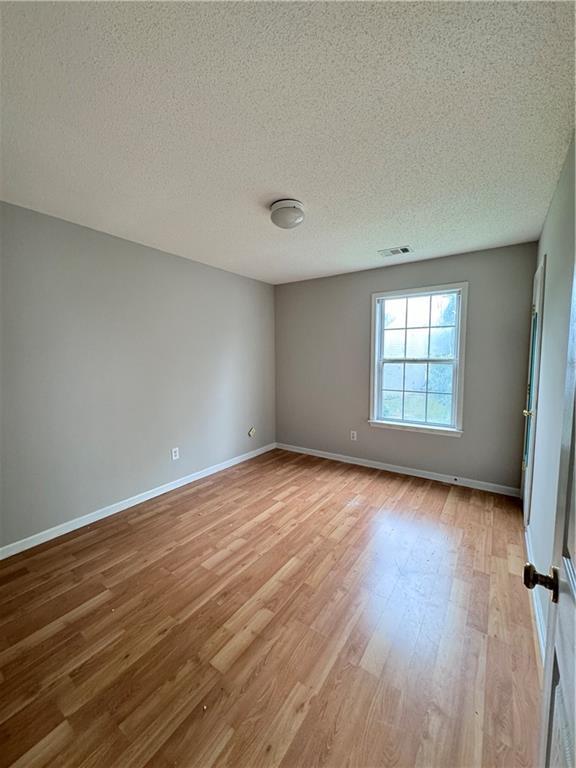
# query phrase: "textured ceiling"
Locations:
[[438, 125]]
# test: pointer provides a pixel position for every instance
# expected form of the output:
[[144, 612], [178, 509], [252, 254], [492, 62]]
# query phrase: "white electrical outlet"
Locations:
[[353, 434], [175, 453], [252, 432]]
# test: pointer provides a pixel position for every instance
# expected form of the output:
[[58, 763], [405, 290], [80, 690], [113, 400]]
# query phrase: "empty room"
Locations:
[[287, 384]]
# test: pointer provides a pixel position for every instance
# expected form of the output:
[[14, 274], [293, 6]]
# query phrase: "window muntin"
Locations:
[[417, 357]]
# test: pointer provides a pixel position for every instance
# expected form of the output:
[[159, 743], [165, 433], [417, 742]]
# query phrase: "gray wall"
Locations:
[[323, 365], [113, 353], [557, 242]]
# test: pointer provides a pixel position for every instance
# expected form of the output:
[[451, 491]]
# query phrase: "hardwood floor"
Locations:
[[290, 611]]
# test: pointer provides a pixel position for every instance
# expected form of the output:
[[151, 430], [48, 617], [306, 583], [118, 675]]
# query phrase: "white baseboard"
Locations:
[[119, 506], [465, 481], [536, 604]]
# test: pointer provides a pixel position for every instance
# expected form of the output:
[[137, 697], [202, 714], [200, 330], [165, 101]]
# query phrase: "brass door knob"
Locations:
[[526, 413], [534, 579]]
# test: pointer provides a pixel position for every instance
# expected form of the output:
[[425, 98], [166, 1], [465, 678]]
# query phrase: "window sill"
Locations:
[[447, 431]]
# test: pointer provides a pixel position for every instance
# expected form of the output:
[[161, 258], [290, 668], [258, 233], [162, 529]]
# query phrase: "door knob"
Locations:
[[526, 413], [534, 579]]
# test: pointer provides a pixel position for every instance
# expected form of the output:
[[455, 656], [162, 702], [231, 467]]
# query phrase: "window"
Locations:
[[418, 358]]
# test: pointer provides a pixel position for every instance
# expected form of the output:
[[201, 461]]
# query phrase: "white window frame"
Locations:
[[458, 384]]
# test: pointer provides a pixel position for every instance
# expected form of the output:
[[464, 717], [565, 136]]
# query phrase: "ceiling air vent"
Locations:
[[401, 250]]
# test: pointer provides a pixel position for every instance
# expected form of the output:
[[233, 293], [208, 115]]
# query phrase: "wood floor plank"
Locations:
[[289, 611]]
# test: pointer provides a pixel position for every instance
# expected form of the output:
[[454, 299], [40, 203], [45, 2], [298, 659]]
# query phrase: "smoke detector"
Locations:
[[287, 214], [400, 250]]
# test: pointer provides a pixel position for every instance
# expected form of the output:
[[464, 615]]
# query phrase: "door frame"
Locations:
[[532, 386]]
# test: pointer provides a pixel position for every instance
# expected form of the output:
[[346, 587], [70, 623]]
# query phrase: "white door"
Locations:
[[530, 411], [559, 689]]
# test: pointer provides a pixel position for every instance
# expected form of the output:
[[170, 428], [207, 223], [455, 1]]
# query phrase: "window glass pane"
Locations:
[[395, 313], [415, 377], [418, 311], [414, 406], [439, 409], [440, 377], [394, 343], [392, 376], [391, 405], [417, 343], [443, 309], [442, 342]]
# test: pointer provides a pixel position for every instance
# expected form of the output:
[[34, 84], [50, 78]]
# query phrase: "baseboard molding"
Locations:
[[465, 481], [536, 605], [119, 506]]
